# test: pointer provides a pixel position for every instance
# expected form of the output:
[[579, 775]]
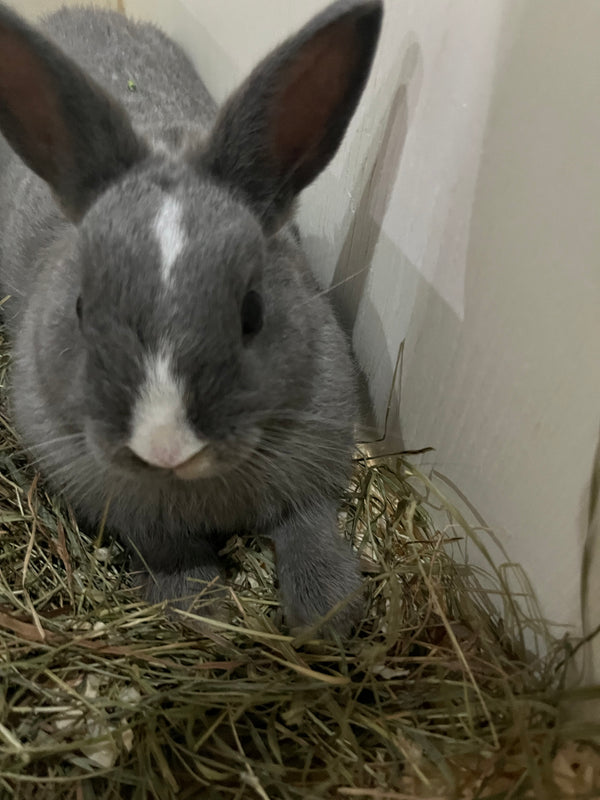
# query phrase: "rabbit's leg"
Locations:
[[199, 591], [317, 570], [189, 580], [195, 588]]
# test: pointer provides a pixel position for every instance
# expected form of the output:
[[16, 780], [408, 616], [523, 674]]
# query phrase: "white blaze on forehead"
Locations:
[[161, 434], [170, 235]]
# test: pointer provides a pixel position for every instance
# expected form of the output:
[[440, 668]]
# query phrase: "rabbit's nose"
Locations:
[[167, 446]]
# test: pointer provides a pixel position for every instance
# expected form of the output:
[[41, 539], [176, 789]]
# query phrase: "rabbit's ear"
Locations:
[[61, 123], [285, 123]]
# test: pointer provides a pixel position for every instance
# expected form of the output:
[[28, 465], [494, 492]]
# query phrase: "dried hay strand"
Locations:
[[447, 690]]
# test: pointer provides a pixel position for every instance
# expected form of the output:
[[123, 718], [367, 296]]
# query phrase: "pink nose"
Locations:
[[166, 448], [168, 457]]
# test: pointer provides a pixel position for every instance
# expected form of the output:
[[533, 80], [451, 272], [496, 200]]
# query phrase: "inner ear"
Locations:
[[63, 125], [285, 123], [308, 115], [29, 112]]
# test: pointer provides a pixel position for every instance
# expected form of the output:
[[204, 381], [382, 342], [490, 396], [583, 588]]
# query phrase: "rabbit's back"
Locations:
[[136, 63]]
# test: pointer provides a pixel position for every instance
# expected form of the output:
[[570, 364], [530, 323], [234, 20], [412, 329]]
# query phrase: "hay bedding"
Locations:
[[435, 696]]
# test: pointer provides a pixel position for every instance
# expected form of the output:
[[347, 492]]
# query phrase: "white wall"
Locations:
[[517, 417], [469, 189]]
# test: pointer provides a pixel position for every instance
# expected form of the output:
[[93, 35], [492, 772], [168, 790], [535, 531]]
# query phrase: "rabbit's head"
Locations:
[[196, 325]]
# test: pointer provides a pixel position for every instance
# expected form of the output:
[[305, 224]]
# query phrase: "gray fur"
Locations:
[[278, 410]]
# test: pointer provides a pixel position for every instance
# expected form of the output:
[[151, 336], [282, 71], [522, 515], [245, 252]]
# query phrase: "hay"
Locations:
[[437, 694]]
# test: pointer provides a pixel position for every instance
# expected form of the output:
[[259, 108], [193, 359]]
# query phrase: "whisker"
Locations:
[[323, 292], [306, 446], [304, 417], [310, 470], [325, 463], [74, 437], [75, 463], [48, 458], [67, 437], [82, 485]]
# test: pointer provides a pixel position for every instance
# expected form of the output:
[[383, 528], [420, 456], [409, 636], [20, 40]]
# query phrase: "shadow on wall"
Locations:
[[590, 585], [508, 395], [373, 192], [383, 160]]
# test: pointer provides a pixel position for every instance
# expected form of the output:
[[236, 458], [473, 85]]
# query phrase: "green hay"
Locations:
[[436, 695]]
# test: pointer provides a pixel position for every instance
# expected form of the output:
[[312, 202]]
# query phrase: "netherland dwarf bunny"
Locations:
[[176, 369]]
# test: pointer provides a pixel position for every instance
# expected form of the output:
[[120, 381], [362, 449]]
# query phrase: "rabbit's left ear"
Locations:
[[59, 121], [285, 123]]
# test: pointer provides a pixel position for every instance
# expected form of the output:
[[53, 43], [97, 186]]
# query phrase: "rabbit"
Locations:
[[178, 374]]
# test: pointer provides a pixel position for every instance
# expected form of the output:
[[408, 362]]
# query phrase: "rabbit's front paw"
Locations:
[[318, 572], [199, 592]]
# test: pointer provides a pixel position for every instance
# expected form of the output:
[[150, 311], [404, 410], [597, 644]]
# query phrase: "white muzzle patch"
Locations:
[[161, 435]]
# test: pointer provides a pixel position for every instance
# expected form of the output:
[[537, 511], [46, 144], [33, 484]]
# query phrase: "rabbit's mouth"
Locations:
[[218, 458], [201, 465], [213, 459]]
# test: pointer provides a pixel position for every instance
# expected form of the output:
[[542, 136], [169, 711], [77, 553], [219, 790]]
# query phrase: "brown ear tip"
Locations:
[[362, 12], [375, 6], [369, 8], [368, 17], [375, 10]]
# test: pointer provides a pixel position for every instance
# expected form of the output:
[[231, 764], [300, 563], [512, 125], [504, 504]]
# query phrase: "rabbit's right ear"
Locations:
[[61, 123], [285, 123]]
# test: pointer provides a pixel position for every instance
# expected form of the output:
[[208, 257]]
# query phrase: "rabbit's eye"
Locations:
[[252, 314], [79, 308]]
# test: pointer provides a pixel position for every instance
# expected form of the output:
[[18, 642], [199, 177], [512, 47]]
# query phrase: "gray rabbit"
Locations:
[[177, 372]]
